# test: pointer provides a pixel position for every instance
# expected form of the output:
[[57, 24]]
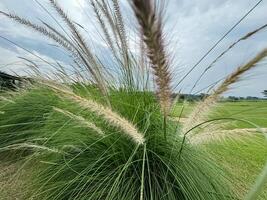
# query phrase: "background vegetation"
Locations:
[[119, 133]]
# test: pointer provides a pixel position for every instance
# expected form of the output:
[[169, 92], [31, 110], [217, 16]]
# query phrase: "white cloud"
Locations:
[[192, 27], [11, 61], [198, 25]]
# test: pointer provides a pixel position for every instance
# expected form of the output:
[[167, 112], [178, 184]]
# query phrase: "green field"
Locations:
[[245, 158], [253, 111]]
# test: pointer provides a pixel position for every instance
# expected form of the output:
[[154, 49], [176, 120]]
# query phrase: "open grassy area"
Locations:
[[252, 111], [245, 158]]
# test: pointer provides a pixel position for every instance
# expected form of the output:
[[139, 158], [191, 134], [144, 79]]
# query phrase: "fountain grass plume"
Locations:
[[201, 111], [151, 29], [81, 120], [110, 116]]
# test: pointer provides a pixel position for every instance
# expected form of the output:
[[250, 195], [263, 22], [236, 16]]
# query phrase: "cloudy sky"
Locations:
[[191, 29]]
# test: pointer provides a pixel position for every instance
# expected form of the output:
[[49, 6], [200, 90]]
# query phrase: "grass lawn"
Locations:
[[255, 112], [252, 111], [243, 159]]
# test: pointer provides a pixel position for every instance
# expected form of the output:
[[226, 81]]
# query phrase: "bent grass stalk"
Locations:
[[257, 188], [78, 49], [201, 111], [29, 146], [80, 119], [245, 37]]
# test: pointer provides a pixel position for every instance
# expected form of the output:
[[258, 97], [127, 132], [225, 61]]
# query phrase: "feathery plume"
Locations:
[[60, 35], [119, 46], [40, 29], [79, 51], [86, 55], [104, 28], [29, 146], [201, 110], [80, 119], [245, 37], [110, 116], [107, 13], [120, 24], [235, 134], [78, 36], [121, 32], [151, 28]]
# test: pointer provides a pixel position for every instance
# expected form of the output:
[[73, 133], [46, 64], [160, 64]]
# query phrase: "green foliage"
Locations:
[[24, 115], [243, 159], [85, 165]]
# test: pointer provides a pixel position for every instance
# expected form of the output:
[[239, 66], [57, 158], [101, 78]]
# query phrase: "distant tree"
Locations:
[[8, 81], [233, 98], [252, 98], [265, 93]]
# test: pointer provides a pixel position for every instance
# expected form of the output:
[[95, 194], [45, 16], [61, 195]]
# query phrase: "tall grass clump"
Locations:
[[107, 133]]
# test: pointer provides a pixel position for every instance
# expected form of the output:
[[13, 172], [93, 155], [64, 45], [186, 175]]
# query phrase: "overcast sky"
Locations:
[[191, 29]]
